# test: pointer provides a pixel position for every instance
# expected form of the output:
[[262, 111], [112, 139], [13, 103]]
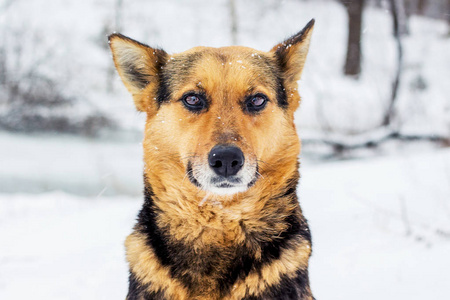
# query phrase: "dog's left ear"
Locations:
[[291, 54], [139, 66]]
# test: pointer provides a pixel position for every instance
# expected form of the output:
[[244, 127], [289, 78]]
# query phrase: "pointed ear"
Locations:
[[138, 66], [291, 54]]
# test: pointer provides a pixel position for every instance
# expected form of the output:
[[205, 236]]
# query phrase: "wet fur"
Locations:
[[189, 243]]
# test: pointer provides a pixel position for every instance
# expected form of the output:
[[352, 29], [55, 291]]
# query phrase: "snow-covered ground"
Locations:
[[381, 230], [82, 166], [381, 225]]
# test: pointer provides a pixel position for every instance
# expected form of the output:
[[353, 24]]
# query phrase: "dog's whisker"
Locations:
[[186, 175], [189, 156], [204, 200], [259, 160], [259, 174]]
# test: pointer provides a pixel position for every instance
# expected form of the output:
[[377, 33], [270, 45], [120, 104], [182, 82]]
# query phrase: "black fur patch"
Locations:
[[173, 70], [190, 174], [147, 225], [281, 53], [295, 288], [298, 37], [272, 250], [297, 226], [140, 77], [136, 291], [163, 93], [137, 76], [191, 266], [274, 68], [240, 267], [281, 93]]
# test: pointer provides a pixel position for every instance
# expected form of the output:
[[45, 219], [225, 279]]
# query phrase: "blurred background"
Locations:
[[374, 123]]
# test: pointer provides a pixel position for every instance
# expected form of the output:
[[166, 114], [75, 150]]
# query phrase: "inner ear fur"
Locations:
[[291, 54], [138, 65]]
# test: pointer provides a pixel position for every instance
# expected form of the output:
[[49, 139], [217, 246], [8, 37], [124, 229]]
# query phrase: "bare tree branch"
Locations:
[[361, 142], [5, 5], [390, 111], [233, 17]]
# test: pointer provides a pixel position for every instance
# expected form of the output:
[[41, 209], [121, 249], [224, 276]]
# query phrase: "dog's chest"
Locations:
[[210, 252]]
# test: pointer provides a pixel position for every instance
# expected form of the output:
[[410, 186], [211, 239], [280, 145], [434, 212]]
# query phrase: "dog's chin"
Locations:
[[226, 190], [211, 183]]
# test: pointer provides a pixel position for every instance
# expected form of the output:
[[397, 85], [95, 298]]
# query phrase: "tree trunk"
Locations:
[[390, 111], [353, 59], [403, 22], [2, 66], [118, 15], [448, 17], [421, 7], [110, 74], [233, 18]]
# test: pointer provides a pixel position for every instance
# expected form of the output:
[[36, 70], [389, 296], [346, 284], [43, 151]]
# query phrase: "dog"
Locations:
[[220, 218]]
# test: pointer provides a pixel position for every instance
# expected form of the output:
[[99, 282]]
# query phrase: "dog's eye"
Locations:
[[194, 102], [256, 103]]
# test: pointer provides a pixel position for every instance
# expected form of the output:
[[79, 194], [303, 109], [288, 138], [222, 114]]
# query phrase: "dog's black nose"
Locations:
[[226, 160]]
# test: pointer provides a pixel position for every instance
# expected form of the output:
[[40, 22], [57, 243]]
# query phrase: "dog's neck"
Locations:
[[190, 214], [209, 247]]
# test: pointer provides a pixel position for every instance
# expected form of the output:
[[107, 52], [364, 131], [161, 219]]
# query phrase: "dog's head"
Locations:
[[221, 117]]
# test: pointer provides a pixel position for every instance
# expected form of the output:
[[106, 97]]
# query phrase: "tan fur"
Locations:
[[290, 261], [146, 266]]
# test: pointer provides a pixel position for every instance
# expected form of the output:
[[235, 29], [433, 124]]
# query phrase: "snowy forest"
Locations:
[[374, 121]]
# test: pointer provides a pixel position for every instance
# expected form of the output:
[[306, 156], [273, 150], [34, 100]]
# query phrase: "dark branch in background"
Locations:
[[117, 27], [403, 17], [387, 132], [5, 5], [341, 146], [233, 18], [118, 15], [353, 58], [447, 16], [33, 101], [421, 7], [390, 111]]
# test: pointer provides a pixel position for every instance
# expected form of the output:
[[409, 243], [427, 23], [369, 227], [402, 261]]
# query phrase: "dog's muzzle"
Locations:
[[226, 172]]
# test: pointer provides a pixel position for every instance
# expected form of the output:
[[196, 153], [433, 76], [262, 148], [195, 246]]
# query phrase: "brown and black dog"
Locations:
[[221, 218]]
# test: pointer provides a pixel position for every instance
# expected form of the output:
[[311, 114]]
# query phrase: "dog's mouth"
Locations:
[[205, 179]]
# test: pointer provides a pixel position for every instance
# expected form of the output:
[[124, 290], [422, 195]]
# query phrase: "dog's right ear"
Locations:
[[138, 65], [291, 54]]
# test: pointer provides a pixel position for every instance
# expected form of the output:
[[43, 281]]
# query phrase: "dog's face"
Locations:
[[221, 117]]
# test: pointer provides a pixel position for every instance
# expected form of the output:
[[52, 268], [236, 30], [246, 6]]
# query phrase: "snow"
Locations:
[[58, 246], [36, 164], [380, 226], [380, 223]]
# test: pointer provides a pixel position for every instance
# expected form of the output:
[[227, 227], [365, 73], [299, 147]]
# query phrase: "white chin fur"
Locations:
[[226, 191], [204, 176]]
